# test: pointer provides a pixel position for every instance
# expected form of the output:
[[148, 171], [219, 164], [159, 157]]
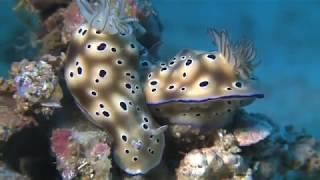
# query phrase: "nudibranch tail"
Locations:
[[159, 130]]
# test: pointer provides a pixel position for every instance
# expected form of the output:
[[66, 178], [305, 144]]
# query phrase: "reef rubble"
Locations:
[[284, 153], [83, 155], [37, 84], [8, 174], [10, 121], [32, 89], [219, 161]]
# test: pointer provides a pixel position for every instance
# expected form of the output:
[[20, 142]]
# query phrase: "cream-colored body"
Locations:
[[101, 73], [202, 88]]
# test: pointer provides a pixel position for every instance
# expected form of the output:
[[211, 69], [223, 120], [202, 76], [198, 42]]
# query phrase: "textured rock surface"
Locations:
[[251, 128], [84, 155], [11, 121], [8, 174], [217, 162], [36, 83]]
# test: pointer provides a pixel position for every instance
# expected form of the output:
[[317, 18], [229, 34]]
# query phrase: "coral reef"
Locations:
[[247, 128], [72, 19], [217, 162], [82, 154], [37, 87], [286, 152], [6, 86], [8, 174], [263, 151], [304, 154], [187, 137], [250, 129], [10, 121]]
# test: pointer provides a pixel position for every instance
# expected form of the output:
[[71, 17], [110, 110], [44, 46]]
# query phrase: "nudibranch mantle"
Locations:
[[202, 88], [101, 74]]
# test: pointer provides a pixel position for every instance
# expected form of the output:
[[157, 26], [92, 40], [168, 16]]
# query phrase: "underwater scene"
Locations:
[[159, 90]]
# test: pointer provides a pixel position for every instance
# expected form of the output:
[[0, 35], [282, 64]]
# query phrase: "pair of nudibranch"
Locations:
[[197, 88]]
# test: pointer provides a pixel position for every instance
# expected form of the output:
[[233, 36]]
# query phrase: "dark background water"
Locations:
[[285, 34]]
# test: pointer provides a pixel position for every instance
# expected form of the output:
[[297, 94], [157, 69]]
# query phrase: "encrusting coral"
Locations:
[[256, 150], [32, 88], [186, 137], [72, 19], [82, 154], [10, 121], [8, 174], [250, 128], [102, 74], [222, 160], [247, 128], [6, 86], [36, 83], [285, 153]]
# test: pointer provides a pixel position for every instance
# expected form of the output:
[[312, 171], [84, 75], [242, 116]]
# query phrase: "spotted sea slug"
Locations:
[[203, 88], [101, 73]]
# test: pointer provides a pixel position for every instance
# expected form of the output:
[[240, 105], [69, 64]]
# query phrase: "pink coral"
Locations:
[[81, 153], [60, 140], [100, 149], [252, 128], [72, 18]]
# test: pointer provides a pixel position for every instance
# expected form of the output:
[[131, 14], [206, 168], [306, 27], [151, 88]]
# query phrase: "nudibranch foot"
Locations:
[[203, 88]]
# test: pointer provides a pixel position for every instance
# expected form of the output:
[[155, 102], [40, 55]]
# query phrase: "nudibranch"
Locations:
[[101, 72], [203, 88]]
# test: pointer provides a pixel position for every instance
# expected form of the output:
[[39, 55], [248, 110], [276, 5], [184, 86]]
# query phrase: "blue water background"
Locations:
[[285, 34], [8, 28]]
